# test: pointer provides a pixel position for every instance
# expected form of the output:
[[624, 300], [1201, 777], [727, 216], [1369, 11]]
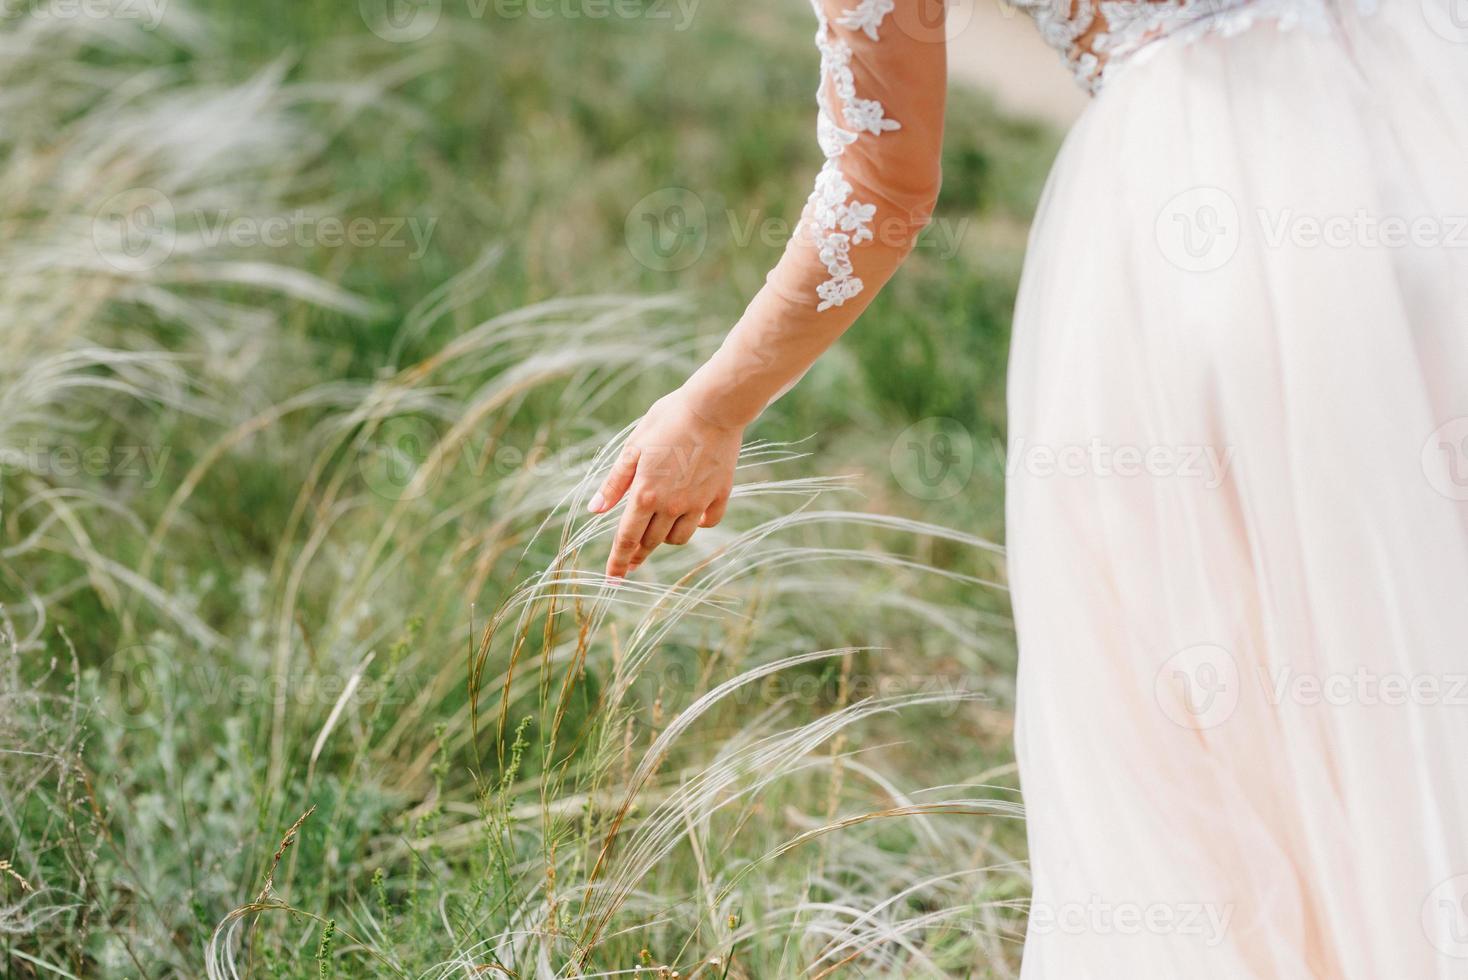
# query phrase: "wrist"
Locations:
[[714, 408]]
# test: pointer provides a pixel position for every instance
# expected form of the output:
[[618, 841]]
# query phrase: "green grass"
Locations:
[[178, 646]]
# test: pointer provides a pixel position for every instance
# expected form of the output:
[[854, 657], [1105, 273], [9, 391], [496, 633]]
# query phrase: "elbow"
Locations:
[[929, 187], [898, 204], [901, 190], [917, 203]]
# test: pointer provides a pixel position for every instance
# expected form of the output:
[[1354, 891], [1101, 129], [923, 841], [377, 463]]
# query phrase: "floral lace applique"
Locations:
[[867, 16], [1097, 37], [837, 221]]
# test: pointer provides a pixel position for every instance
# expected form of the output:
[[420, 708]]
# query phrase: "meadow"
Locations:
[[319, 327]]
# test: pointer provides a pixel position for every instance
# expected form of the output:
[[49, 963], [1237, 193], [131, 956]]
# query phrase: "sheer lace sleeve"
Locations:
[[880, 126]]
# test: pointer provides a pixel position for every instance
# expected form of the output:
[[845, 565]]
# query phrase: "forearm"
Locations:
[[882, 101], [775, 342]]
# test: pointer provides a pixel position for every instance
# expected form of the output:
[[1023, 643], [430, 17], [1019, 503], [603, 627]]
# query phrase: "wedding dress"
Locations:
[[1238, 491]]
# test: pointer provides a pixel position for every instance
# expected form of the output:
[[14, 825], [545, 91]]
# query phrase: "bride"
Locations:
[[1238, 725]]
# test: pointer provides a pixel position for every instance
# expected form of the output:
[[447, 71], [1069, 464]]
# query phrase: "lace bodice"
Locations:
[[1098, 36]]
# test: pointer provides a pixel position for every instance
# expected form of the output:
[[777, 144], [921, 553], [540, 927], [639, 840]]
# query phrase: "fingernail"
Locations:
[[596, 504]]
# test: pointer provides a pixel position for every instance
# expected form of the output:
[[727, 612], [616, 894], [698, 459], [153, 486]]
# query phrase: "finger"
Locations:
[[617, 481], [627, 540], [683, 529], [715, 512], [656, 534]]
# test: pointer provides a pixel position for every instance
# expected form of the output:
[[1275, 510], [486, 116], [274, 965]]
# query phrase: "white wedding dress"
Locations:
[[1238, 502], [1242, 660]]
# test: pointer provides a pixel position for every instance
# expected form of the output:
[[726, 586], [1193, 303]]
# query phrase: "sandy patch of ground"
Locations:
[[998, 49]]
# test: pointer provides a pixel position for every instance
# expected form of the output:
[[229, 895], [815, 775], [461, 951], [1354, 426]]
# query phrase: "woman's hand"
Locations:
[[676, 470]]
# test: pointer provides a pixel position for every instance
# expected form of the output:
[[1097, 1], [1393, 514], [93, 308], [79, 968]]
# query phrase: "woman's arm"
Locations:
[[882, 94]]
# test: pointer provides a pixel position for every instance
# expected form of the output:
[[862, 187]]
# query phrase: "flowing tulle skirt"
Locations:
[[1238, 513]]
